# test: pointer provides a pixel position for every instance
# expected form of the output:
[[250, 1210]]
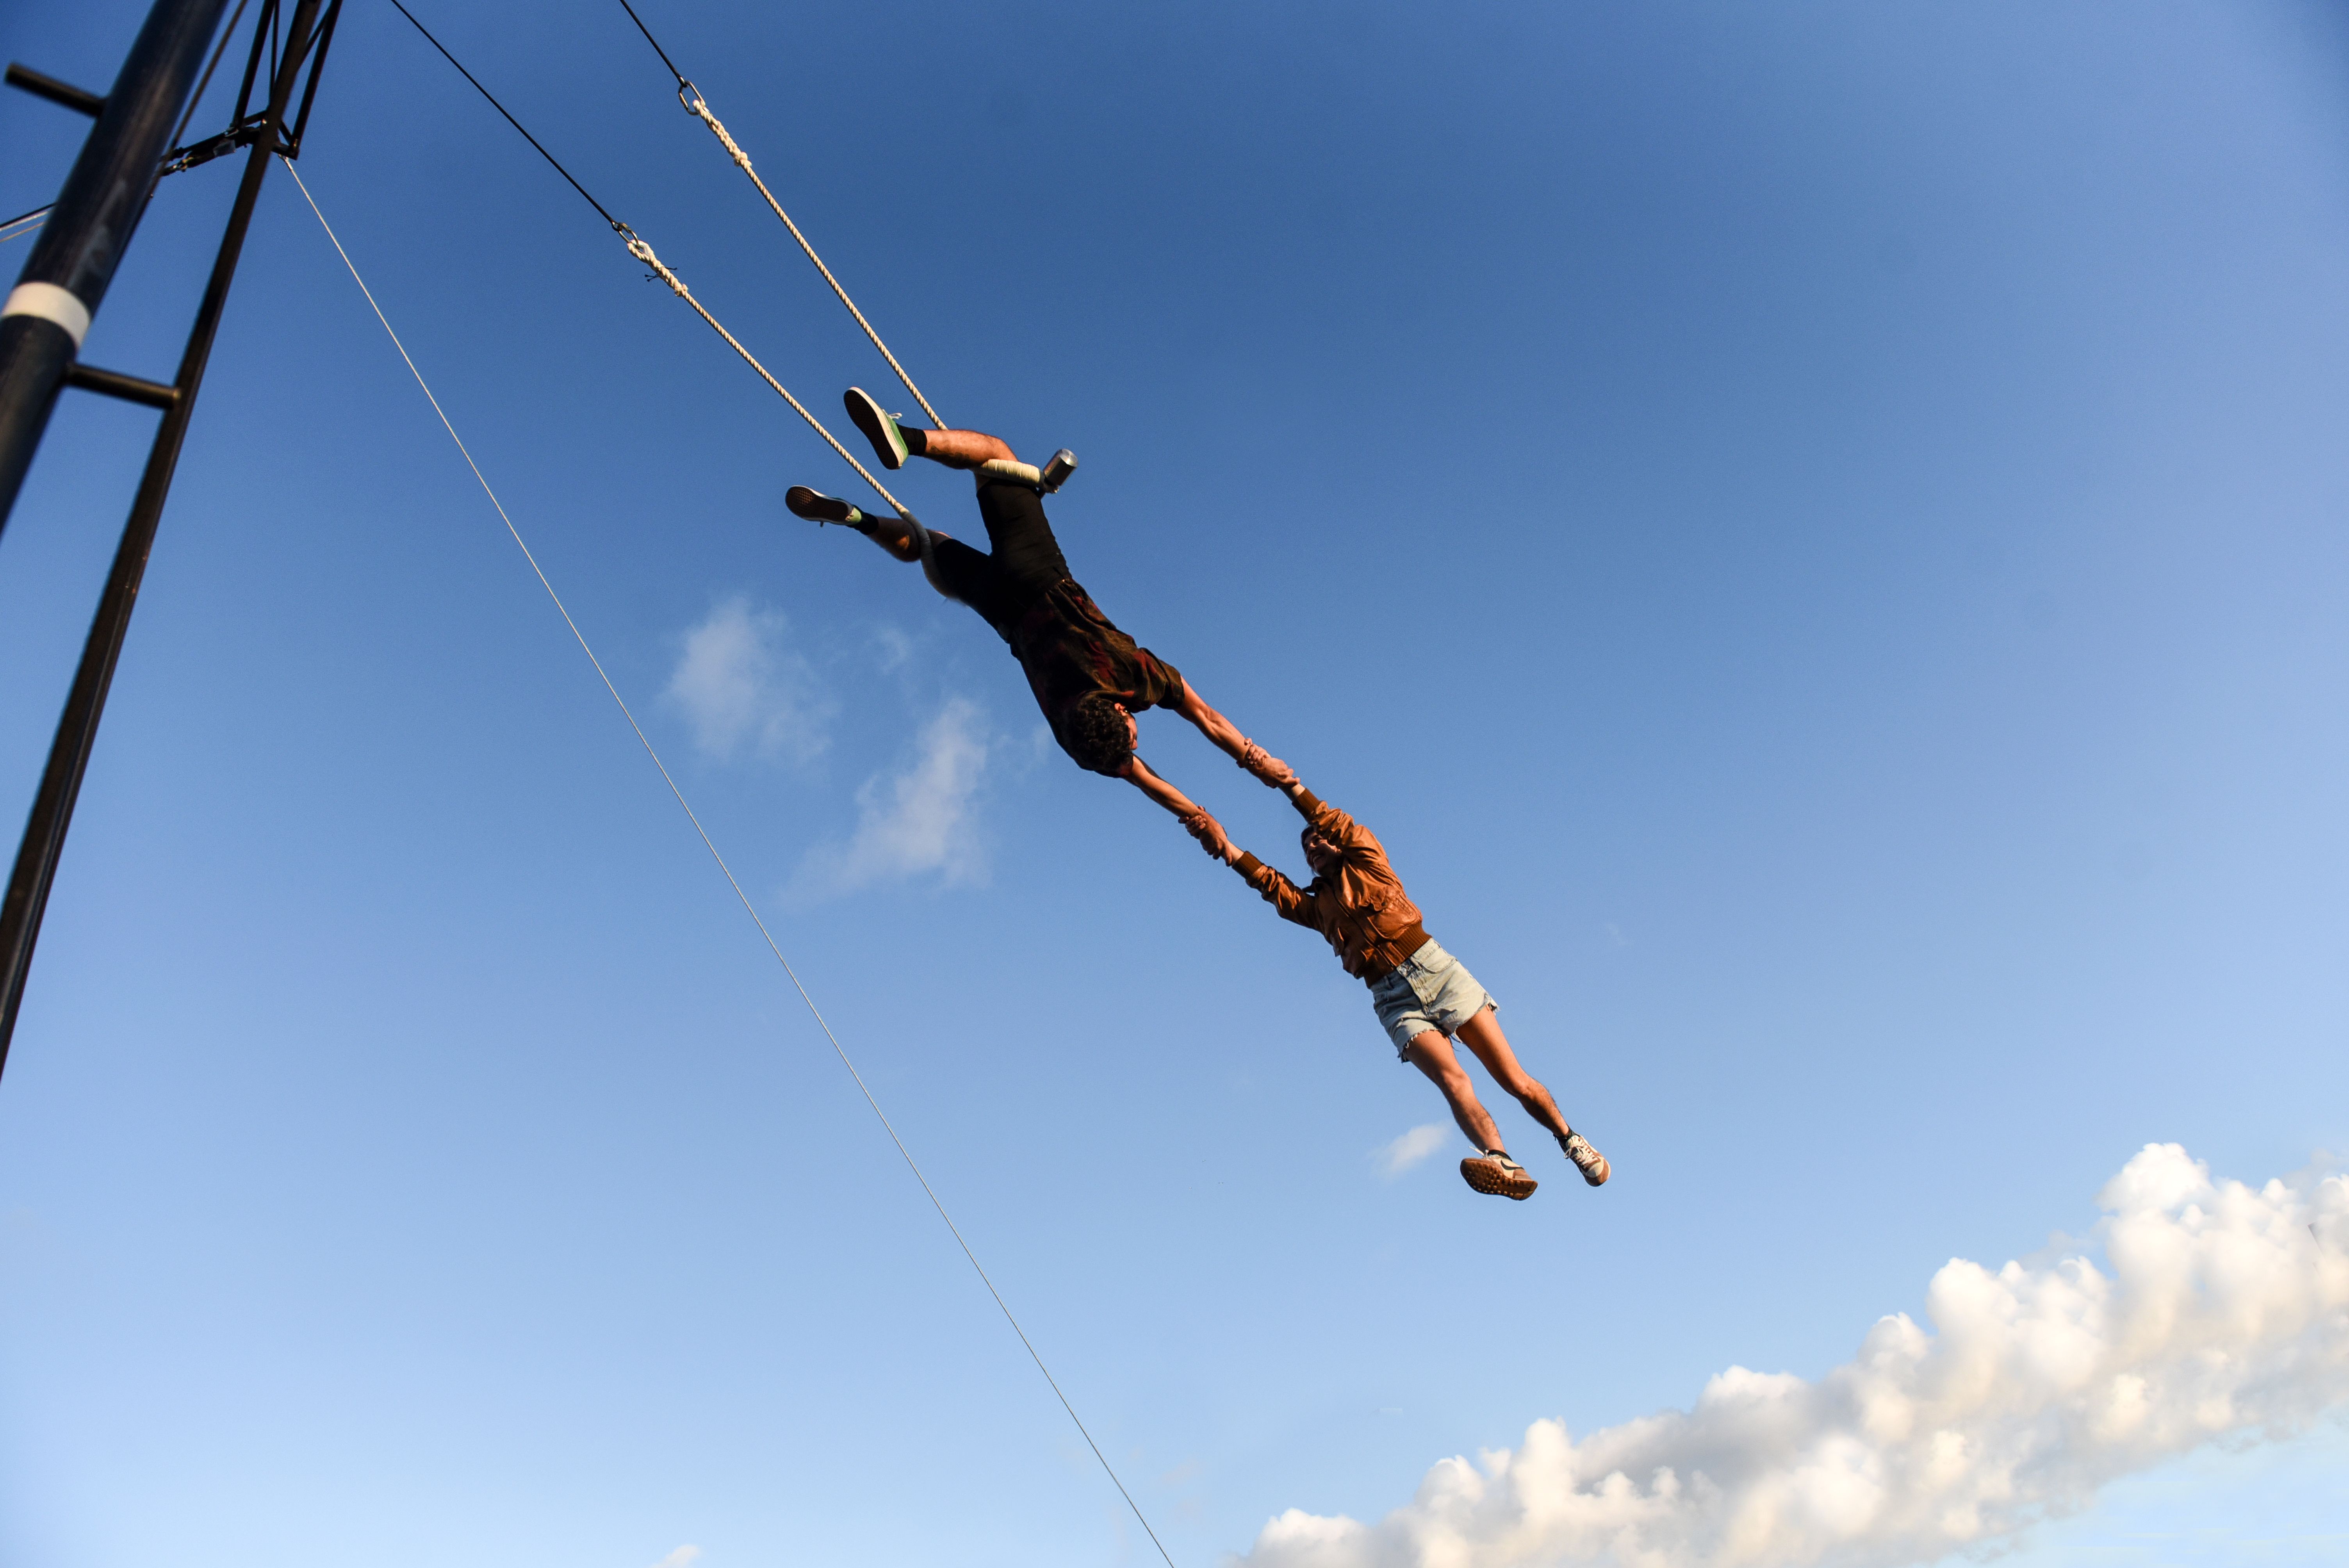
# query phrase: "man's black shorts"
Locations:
[[1023, 563]]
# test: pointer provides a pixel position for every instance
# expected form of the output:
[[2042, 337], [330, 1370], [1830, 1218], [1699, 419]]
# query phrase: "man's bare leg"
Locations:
[[1431, 1053], [895, 535], [894, 441], [1482, 1035], [890, 532], [957, 448]]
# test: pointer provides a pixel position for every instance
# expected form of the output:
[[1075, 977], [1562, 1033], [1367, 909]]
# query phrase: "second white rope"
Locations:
[[667, 777]]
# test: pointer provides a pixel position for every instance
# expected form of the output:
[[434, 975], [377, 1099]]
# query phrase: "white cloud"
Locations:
[[896, 648], [2222, 1311], [738, 682], [918, 820], [680, 1557], [1413, 1147]]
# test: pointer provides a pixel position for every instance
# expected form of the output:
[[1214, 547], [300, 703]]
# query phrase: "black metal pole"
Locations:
[[44, 832], [42, 321]]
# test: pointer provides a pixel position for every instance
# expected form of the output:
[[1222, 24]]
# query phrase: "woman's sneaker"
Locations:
[[1588, 1161], [879, 428], [1495, 1172]]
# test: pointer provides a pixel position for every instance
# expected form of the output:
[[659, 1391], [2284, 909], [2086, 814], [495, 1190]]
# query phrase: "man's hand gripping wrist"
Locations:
[[1268, 770]]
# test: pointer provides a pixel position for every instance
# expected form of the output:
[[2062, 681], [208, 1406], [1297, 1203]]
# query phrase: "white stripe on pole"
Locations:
[[50, 303]]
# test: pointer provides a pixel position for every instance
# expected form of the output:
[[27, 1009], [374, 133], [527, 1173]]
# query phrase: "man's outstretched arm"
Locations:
[[1196, 822], [1226, 736]]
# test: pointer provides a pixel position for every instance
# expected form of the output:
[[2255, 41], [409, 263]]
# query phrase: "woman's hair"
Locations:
[[1099, 738]]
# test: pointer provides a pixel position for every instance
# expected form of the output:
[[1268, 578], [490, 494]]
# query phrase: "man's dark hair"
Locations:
[[1098, 737]]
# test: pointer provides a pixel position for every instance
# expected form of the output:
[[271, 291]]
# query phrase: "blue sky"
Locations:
[[1812, 532]]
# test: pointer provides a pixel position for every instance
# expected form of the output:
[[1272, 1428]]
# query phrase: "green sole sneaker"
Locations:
[[888, 441], [816, 508]]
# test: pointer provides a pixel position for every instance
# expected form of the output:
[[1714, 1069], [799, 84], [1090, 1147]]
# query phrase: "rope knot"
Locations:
[[644, 253], [733, 148]]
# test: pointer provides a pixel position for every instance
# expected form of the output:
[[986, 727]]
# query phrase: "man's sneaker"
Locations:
[[1588, 1161], [1493, 1171], [805, 502], [879, 428]]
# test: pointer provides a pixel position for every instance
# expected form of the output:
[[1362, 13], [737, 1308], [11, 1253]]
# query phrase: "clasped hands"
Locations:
[[1268, 770], [1211, 836]]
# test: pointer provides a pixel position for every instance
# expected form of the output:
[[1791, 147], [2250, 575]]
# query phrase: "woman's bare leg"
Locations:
[[1431, 1053], [1482, 1035]]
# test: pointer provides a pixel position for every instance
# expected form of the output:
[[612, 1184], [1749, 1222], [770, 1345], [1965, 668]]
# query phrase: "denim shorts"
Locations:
[[1429, 990]]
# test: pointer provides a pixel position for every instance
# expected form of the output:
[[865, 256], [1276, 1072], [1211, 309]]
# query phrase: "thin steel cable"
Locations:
[[748, 908], [698, 106], [511, 120], [8, 231], [644, 253], [647, 32]]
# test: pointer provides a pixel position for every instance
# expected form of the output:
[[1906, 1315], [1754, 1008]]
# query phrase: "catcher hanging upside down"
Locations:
[[1088, 678]]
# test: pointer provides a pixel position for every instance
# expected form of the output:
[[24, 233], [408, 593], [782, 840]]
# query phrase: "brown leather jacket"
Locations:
[[1360, 910]]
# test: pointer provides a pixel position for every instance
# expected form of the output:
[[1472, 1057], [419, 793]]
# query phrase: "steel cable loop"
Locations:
[[706, 843]]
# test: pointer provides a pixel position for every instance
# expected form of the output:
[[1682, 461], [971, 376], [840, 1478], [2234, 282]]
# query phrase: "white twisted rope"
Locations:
[[644, 253], [698, 106]]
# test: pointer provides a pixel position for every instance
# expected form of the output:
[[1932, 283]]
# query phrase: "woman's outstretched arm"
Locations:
[[1196, 822]]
